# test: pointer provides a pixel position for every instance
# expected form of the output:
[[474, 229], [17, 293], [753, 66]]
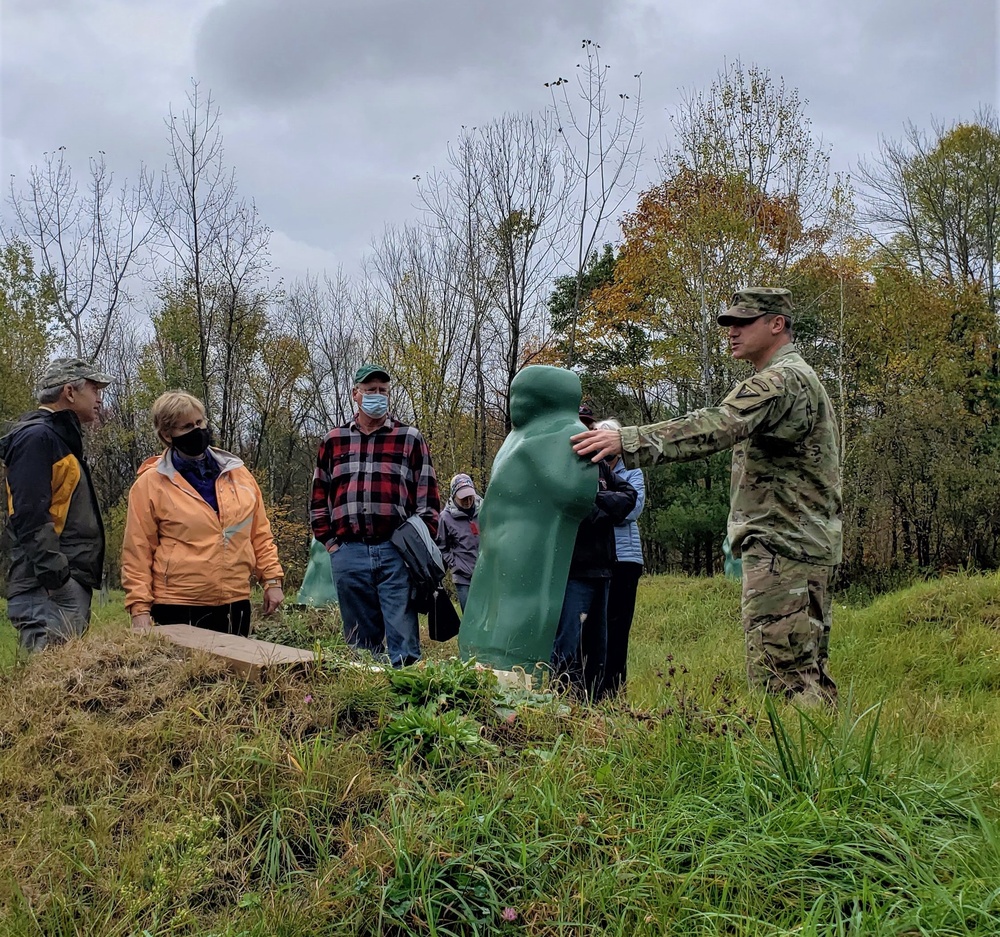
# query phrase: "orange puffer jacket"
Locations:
[[178, 551]]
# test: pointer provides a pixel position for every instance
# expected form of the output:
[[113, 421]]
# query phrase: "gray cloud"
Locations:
[[864, 68], [91, 76], [358, 97], [329, 107], [276, 50]]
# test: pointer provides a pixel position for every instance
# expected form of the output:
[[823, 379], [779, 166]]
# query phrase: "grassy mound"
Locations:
[[143, 790]]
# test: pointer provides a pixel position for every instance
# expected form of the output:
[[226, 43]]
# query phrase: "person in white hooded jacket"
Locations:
[[458, 533]]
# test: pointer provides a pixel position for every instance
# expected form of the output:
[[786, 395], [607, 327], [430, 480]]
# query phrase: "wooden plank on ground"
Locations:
[[247, 656]]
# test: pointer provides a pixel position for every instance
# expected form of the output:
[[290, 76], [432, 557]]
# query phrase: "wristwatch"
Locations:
[[272, 582]]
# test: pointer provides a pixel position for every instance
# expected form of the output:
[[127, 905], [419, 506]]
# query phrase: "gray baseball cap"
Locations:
[[69, 370]]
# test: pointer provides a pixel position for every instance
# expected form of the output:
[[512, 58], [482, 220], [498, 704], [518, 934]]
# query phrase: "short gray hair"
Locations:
[[786, 317], [52, 394]]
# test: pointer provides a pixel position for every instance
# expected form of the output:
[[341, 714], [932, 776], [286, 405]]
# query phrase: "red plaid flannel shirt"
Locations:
[[365, 486]]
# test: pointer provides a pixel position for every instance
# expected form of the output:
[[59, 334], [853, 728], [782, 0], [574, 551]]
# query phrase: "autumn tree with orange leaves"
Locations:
[[746, 194]]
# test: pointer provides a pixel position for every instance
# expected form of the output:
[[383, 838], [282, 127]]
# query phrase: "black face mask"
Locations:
[[194, 443]]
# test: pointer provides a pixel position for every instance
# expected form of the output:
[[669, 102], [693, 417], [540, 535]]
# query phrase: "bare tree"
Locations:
[[522, 202], [502, 204], [425, 326], [933, 201], [325, 319], [88, 243], [453, 201], [601, 158], [277, 403], [242, 298], [215, 253], [127, 437]]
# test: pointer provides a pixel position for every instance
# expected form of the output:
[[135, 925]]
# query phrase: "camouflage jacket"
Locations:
[[785, 488]]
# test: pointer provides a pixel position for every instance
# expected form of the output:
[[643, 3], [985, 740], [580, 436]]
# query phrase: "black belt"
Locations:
[[358, 538]]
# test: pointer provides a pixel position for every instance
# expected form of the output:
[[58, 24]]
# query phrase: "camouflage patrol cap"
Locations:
[[70, 370], [757, 301]]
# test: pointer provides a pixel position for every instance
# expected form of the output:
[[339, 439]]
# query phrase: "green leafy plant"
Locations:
[[434, 738], [447, 683]]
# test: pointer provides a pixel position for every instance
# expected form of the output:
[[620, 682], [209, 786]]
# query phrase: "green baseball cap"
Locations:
[[69, 370], [757, 301], [367, 370]]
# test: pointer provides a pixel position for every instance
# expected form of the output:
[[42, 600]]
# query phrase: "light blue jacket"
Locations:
[[628, 547]]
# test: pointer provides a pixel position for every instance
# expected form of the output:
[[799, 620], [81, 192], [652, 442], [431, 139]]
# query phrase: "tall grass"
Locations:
[[146, 791]]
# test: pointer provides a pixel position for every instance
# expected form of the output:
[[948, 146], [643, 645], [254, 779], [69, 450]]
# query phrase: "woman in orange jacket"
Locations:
[[196, 530]]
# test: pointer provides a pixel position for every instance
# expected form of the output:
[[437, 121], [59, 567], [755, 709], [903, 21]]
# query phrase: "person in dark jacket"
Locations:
[[458, 533], [56, 533], [580, 646], [624, 576]]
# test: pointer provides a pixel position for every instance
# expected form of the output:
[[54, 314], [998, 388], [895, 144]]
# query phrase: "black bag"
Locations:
[[442, 619], [422, 559]]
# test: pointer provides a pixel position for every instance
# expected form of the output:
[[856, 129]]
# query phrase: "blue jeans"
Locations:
[[462, 588], [43, 618], [581, 643], [373, 589]]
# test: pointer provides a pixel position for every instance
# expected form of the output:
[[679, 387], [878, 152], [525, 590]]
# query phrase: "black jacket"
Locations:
[[594, 551], [422, 558], [55, 530]]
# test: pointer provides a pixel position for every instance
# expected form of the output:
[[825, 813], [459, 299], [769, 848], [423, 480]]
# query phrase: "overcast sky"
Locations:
[[330, 107]]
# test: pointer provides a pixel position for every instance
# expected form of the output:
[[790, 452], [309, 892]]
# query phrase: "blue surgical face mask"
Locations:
[[375, 405]]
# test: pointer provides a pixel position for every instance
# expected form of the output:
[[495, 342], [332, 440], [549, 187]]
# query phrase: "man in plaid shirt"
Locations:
[[373, 473]]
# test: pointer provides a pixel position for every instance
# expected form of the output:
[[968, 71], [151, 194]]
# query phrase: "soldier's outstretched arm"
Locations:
[[759, 402], [692, 436]]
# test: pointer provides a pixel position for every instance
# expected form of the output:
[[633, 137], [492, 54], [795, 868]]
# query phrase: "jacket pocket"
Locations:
[[162, 560]]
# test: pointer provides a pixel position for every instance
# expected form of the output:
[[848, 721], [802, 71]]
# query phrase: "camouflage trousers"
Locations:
[[786, 621]]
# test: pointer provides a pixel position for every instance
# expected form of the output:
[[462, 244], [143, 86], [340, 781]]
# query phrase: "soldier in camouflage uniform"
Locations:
[[785, 500]]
